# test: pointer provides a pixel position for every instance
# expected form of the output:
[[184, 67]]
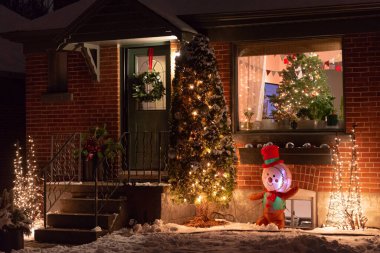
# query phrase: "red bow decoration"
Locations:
[[150, 58]]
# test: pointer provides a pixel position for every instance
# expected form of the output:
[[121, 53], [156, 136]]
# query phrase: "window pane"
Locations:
[[159, 65], [292, 89]]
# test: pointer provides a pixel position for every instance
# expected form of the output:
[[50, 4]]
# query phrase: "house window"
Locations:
[[290, 85], [57, 72], [158, 65]]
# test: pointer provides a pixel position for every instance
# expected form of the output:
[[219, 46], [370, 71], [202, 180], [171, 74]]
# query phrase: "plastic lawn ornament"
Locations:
[[277, 180]]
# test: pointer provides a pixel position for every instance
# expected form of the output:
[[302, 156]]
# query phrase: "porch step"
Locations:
[[67, 236], [79, 220], [87, 205]]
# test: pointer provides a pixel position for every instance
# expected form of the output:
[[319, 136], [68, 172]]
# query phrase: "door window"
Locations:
[[159, 65]]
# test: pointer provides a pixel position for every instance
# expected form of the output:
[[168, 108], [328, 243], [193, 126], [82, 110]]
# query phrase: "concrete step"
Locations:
[[79, 220], [86, 189], [87, 205], [67, 236]]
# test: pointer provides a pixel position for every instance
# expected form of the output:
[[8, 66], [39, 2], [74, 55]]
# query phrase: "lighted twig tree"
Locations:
[[27, 184], [354, 214], [201, 168], [20, 195], [336, 210], [34, 184]]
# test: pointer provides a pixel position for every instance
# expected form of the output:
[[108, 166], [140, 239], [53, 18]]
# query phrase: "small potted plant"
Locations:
[[321, 108], [305, 118], [332, 119], [99, 151], [13, 224]]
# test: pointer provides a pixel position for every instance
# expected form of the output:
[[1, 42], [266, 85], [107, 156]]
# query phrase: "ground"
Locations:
[[233, 237]]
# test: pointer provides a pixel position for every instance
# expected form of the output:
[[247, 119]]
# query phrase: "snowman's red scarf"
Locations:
[[271, 196]]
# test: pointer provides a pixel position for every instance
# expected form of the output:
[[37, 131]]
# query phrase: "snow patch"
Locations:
[[232, 237]]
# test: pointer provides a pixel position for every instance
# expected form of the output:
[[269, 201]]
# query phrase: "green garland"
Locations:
[[139, 87]]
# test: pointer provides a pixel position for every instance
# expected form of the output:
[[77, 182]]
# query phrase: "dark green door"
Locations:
[[147, 122]]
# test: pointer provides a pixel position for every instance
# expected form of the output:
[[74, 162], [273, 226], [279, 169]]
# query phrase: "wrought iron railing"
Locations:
[[144, 159], [62, 169], [146, 156]]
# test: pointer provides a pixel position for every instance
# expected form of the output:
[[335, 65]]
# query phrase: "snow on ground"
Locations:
[[233, 237]]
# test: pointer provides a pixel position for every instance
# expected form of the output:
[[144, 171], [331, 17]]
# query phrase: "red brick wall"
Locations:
[[361, 56], [94, 103], [223, 56]]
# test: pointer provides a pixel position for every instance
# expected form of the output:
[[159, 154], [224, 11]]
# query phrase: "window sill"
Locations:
[[59, 97], [280, 138]]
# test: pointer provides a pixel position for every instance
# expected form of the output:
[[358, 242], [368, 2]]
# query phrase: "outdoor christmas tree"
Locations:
[[354, 214], [33, 185], [20, 195], [336, 210], [27, 186], [202, 155], [303, 89]]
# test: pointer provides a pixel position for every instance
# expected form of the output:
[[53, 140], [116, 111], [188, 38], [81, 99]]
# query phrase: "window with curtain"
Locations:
[[290, 85]]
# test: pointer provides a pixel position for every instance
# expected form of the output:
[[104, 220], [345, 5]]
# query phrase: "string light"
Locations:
[[354, 214], [336, 213], [27, 185]]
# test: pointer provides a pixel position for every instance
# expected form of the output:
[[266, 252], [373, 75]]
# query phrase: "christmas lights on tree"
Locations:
[[27, 186], [354, 214], [202, 154], [20, 195], [336, 210], [303, 87], [34, 185]]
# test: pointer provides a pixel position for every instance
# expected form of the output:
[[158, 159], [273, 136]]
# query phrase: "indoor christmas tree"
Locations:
[[354, 214], [336, 210], [303, 86], [202, 155]]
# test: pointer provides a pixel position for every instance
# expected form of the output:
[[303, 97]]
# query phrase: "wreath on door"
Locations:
[[139, 85]]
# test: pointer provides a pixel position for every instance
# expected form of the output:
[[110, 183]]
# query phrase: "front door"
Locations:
[[147, 122]]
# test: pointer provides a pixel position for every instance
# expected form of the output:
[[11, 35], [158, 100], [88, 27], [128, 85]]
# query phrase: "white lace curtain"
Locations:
[[251, 84]]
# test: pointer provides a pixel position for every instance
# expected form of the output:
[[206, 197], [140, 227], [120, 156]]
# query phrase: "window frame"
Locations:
[[235, 95]]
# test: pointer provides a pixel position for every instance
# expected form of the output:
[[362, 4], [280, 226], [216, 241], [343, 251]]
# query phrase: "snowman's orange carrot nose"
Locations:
[[270, 179]]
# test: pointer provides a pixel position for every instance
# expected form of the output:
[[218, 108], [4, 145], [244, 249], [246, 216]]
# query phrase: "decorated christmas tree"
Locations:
[[202, 155], [336, 210], [303, 88]]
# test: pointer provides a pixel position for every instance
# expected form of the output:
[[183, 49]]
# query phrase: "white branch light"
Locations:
[[335, 213], [27, 184], [354, 214]]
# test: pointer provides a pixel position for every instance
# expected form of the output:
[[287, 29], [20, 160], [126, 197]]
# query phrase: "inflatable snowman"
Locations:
[[277, 179]]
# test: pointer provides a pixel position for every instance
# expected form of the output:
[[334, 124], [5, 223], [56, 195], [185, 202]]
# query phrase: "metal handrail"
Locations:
[[151, 145], [50, 167]]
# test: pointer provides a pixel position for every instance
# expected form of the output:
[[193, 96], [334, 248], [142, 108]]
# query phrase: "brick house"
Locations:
[[95, 43]]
